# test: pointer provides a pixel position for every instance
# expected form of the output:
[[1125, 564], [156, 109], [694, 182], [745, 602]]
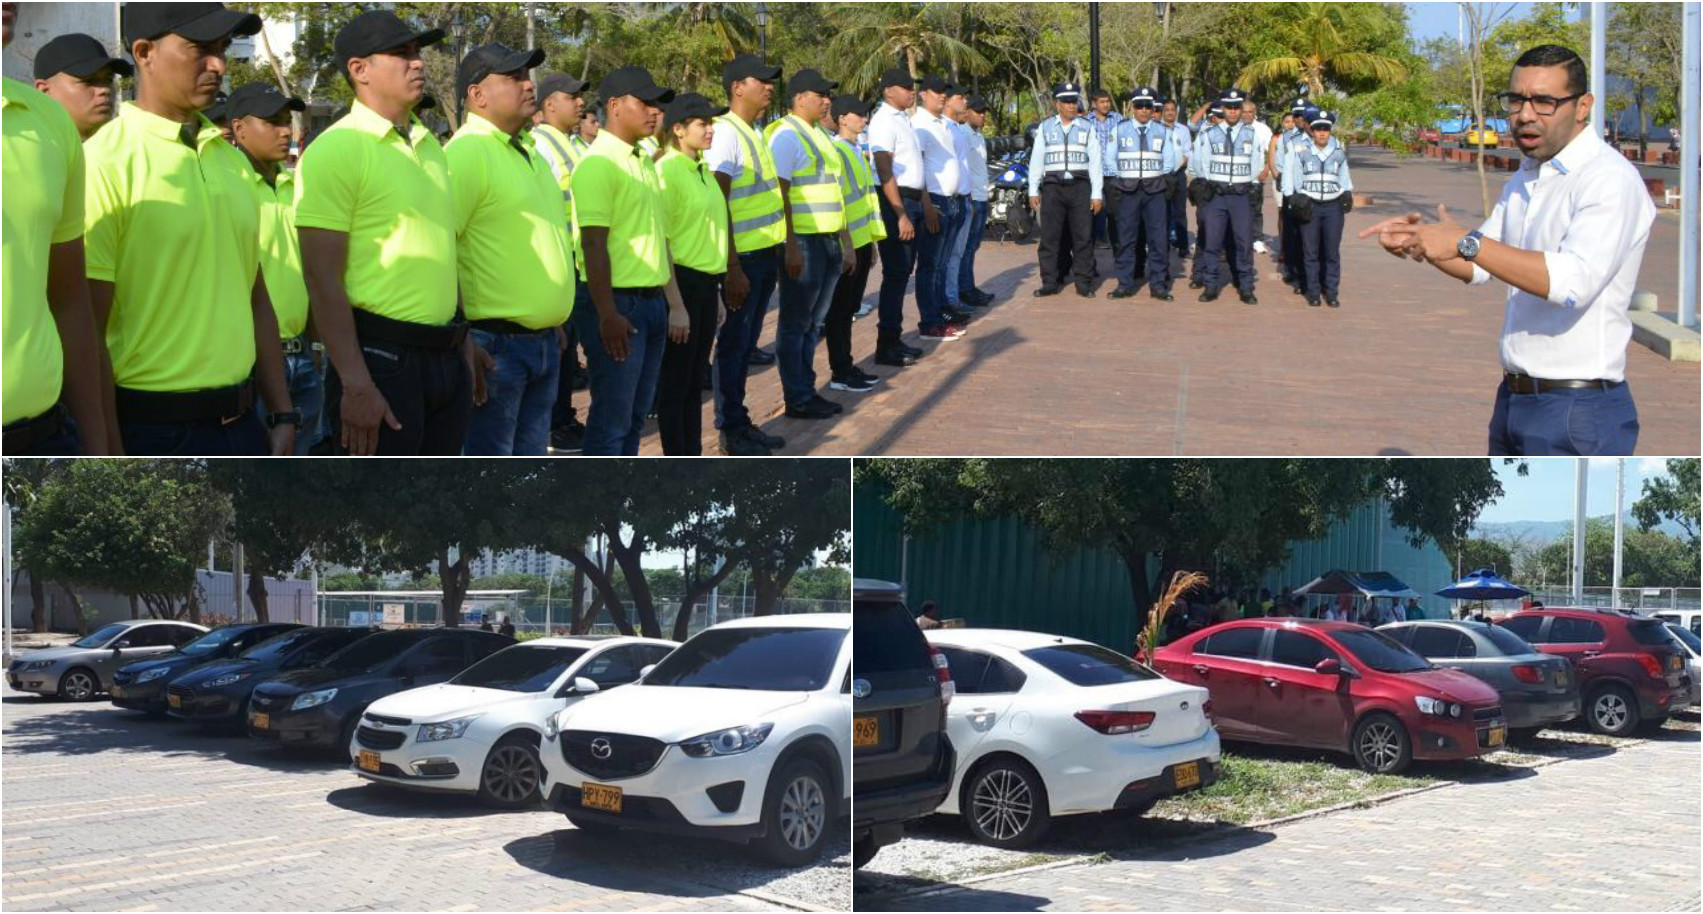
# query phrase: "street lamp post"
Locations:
[[1093, 47], [763, 32]]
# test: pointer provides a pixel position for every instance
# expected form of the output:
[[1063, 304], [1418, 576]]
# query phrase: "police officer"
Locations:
[[1207, 116], [1143, 159], [1318, 191], [1177, 206], [1227, 159], [76, 71], [1290, 241], [1064, 184]]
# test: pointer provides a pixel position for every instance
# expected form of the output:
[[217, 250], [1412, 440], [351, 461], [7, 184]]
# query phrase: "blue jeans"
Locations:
[[621, 392], [952, 249], [519, 395], [307, 395], [738, 335], [1584, 423], [245, 437], [898, 259], [804, 305], [931, 269], [971, 243]]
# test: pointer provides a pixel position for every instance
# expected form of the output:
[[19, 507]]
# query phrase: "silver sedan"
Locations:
[[84, 668]]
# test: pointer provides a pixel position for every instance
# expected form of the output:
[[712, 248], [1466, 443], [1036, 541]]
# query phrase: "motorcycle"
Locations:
[[1008, 195]]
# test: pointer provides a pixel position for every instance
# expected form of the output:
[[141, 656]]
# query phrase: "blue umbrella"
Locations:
[[1483, 584]]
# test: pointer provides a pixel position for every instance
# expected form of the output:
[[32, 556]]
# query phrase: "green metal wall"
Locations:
[[996, 573]]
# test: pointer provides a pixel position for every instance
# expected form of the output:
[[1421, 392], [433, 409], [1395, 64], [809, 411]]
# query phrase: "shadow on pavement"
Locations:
[[982, 347], [384, 801], [959, 899], [628, 861], [101, 728]]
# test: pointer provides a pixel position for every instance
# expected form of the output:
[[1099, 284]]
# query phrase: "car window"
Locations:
[[520, 669], [1002, 678], [484, 645], [210, 643], [1437, 641], [1089, 664], [1400, 633], [1301, 649], [652, 654], [1688, 637], [1525, 626], [1568, 630], [1232, 642], [437, 656], [372, 651], [183, 634], [1380, 653], [318, 643], [886, 639], [100, 636], [614, 667], [769, 659], [1510, 644], [967, 668], [152, 636], [1648, 632]]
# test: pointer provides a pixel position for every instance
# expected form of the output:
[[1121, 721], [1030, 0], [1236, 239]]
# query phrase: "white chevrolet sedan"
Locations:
[[1047, 726], [743, 733], [479, 732]]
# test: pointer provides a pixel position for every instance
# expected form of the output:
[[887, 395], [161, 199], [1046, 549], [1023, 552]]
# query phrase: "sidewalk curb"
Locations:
[[785, 902]]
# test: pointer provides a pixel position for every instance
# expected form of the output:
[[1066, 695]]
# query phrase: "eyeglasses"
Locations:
[[1543, 105]]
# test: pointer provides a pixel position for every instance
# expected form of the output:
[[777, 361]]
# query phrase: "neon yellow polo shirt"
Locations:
[[176, 231], [281, 252], [694, 213], [617, 188], [42, 158], [514, 250], [390, 194]]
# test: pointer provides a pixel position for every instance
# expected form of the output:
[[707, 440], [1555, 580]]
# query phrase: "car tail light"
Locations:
[[1114, 722], [942, 672], [1652, 665], [1206, 708], [1526, 672]]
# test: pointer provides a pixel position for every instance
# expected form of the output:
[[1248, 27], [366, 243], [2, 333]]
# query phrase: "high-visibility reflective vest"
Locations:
[[1065, 149], [563, 153], [1319, 178], [1140, 156], [1293, 140], [817, 207], [754, 198], [1230, 158], [857, 186]]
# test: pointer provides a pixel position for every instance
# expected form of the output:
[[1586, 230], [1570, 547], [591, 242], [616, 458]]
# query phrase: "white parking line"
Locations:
[[117, 811], [139, 880], [103, 801], [11, 874]]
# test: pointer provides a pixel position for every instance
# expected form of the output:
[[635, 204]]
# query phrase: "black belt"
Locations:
[[910, 193], [641, 291], [498, 325], [296, 345], [1525, 384], [377, 328], [222, 405], [26, 435], [1054, 177], [1240, 190]]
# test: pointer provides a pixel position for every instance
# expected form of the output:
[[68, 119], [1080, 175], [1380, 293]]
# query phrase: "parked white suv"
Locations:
[[1048, 726], [479, 732], [743, 733]]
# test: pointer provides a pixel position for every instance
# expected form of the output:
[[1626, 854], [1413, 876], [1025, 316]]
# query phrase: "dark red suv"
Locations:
[[1337, 686], [1629, 671]]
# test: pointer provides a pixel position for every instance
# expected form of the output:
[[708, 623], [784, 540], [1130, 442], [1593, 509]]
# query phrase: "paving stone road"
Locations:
[[1616, 832], [105, 809]]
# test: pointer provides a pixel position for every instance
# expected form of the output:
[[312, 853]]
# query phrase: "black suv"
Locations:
[[902, 762]]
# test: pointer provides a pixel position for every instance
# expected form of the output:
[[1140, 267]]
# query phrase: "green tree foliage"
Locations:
[[1672, 498], [1479, 553], [1650, 558], [1331, 40]]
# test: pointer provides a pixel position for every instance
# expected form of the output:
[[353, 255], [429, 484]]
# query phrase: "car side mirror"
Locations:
[[120, 645], [584, 686], [1328, 667], [645, 672]]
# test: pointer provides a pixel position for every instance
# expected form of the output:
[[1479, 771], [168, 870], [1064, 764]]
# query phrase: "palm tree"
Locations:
[[1321, 39], [872, 36], [727, 20]]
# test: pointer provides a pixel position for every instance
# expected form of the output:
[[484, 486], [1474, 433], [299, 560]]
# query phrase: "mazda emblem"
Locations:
[[860, 688], [600, 748]]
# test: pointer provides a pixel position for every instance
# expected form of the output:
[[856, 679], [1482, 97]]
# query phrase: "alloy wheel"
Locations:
[[1003, 804], [79, 686], [511, 774], [1611, 711], [1380, 745], [803, 813]]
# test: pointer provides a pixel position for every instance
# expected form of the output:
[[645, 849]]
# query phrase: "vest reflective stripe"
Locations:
[[1067, 147], [1138, 159], [815, 197], [754, 198], [1321, 179], [1230, 159], [858, 196], [569, 159]]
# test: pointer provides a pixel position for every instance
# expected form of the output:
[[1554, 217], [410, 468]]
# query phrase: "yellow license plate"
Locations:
[[1498, 735], [600, 796], [175, 701], [118, 691], [260, 721], [866, 731], [368, 760], [1186, 775]]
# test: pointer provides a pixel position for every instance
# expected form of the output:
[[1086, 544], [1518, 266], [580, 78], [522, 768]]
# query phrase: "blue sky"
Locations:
[[1430, 20], [1546, 492]]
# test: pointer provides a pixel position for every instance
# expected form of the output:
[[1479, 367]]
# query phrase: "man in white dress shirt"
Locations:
[[1567, 237], [941, 174], [906, 211]]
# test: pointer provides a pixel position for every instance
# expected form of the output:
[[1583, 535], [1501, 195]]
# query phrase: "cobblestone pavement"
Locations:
[[105, 809], [1615, 832]]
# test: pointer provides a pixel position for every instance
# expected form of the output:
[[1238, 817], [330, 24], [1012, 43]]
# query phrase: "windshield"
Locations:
[[1090, 664], [520, 668], [1684, 634], [100, 637], [372, 652], [766, 659], [211, 642], [1510, 644], [1380, 652], [279, 645]]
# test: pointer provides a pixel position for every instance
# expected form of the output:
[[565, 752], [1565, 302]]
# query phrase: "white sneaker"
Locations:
[[1259, 246]]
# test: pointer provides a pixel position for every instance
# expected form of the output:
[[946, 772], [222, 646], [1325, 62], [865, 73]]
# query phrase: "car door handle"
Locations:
[[1273, 683], [1202, 670], [1592, 653]]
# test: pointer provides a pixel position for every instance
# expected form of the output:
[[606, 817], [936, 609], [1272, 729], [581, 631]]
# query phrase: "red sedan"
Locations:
[[1337, 686]]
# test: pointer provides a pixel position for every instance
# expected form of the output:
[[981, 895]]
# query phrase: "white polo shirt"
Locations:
[[726, 154], [890, 131], [1589, 213], [965, 148], [939, 152], [978, 164], [1182, 139], [1262, 136]]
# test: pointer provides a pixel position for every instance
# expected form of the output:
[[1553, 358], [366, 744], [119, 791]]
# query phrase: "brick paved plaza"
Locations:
[[108, 810], [1407, 366]]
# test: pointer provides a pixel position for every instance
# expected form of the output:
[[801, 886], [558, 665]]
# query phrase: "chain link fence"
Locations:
[[538, 617], [1638, 599]]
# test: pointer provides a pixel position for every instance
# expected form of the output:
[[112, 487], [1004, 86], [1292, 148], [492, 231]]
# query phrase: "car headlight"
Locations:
[[224, 680], [312, 699], [37, 665], [151, 675], [1436, 707], [449, 729], [731, 741], [552, 725]]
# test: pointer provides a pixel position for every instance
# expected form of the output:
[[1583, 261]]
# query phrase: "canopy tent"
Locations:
[[1365, 583], [1483, 584]]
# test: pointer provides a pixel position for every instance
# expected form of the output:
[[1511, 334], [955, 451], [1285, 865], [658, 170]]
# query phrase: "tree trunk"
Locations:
[[194, 606], [1643, 128], [627, 556], [135, 607], [454, 580], [683, 617], [600, 579], [257, 595], [577, 605], [767, 587], [76, 608], [38, 605]]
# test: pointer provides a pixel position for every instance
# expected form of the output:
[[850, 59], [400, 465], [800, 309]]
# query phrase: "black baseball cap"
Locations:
[[935, 84], [851, 104], [488, 59], [262, 100], [688, 105], [80, 55], [194, 21], [976, 103], [810, 81], [748, 66], [634, 81], [898, 76], [560, 82], [427, 102], [374, 31]]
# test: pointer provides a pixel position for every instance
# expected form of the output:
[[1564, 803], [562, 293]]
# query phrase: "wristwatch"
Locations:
[[1467, 247], [293, 417]]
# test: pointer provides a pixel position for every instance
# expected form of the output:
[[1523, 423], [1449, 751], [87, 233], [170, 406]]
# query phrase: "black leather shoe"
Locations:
[[912, 351], [1209, 295], [984, 295], [1249, 299], [1122, 293], [1046, 291], [1162, 295], [1312, 301], [894, 358], [739, 444], [772, 442], [1331, 300], [827, 404], [760, 357], [1084, 291], [1196, 284], [810, 410], [1298, 289]]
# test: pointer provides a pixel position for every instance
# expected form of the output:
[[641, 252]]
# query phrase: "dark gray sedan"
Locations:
[[1537, 689]]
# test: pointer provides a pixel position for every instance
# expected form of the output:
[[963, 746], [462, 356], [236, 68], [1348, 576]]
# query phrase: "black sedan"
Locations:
[[141, 686], [321, 706], [217, 694], [1537, 689]]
